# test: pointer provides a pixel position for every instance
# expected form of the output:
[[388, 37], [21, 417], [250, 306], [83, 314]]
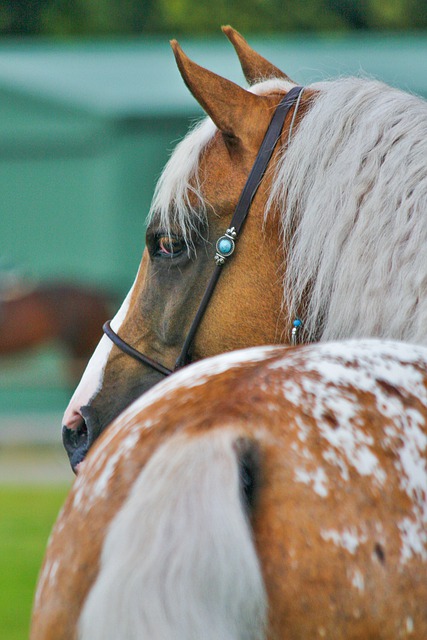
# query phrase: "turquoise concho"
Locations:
[[225, 246]]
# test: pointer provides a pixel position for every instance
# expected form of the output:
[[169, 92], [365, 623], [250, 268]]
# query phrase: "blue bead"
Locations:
[[225, 246], [297, 323]]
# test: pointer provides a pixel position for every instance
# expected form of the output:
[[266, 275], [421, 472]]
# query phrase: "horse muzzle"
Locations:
[[78, 439]]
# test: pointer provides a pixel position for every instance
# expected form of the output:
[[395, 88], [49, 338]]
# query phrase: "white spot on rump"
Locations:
[[316, 478], [409, 625], [413, 536], [349, 539], [100, 486], [358, 581], [47, 578]]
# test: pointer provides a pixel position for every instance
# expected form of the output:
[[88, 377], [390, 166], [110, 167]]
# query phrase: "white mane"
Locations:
[[171, 206], [352, 191], [353, 183]]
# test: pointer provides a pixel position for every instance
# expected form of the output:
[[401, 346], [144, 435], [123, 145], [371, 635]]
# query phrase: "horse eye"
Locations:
[[169, 246]]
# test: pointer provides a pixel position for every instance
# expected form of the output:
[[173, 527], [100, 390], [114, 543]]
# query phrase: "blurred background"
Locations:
[[91, 105]]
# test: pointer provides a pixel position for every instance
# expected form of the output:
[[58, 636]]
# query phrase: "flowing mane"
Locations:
[[361, 196], [356, 208], [172, 208]]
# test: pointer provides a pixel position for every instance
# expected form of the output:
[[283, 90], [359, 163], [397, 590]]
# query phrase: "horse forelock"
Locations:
[[178, 204], [351, 189], [271, 85]]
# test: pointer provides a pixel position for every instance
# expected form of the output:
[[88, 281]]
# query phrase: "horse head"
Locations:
[[336, 181], [192, 207]]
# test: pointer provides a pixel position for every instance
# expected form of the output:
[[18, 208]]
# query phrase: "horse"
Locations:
[[70, 314], [267, 493], [333, 246]]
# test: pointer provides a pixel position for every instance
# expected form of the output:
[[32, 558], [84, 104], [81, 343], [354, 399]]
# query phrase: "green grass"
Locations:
[[26, 518]]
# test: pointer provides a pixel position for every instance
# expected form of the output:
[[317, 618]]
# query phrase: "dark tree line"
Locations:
[[200, 17]]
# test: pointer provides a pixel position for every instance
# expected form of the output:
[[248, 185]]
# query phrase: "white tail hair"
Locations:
[[178, 560]]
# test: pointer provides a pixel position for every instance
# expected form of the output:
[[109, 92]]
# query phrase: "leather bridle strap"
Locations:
[[134, 353], [242, 208], [239, 217]]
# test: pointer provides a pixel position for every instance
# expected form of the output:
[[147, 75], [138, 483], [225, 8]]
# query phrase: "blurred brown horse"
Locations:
[[69, 314]]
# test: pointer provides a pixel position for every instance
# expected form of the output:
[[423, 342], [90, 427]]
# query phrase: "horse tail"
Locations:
[[178, 560]]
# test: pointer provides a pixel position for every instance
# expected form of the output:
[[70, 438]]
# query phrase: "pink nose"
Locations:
[[72, 419]]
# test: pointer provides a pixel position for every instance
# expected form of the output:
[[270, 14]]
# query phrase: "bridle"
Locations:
[[225, 244]]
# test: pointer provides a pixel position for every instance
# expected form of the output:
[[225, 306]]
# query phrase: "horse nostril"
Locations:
[[79, 438], [75, 438], [75, 441]]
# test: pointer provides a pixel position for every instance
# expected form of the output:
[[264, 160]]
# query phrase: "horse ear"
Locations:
[[235, 111], [255, 68]]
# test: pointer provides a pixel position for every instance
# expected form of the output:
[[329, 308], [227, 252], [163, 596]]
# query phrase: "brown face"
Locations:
[[246, 306], [170, 284]]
